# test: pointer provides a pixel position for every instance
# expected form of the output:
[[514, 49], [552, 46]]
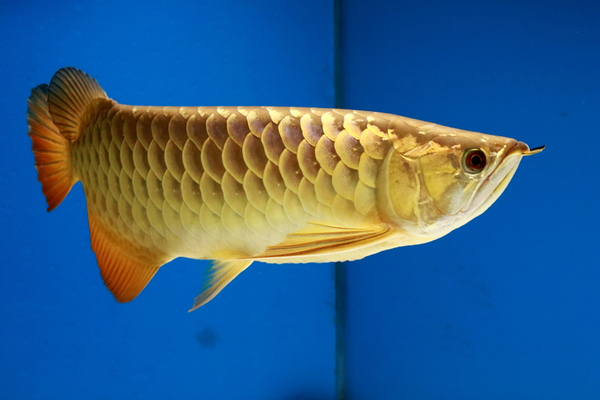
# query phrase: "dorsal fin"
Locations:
[[69, 94], [123, 275]]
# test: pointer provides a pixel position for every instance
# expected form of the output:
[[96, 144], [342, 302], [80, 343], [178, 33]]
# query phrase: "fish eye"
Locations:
[[474, 161]]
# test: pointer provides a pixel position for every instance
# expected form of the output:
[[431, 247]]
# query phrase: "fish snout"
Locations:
[[521, 149]]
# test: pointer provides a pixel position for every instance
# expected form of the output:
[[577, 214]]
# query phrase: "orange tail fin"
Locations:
[[57, 115], [50, 149], [53, 116]]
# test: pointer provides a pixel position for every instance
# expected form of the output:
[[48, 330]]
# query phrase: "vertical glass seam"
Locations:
[[339, 268]]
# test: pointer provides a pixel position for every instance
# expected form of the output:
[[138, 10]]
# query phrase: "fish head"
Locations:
[[448, 177]]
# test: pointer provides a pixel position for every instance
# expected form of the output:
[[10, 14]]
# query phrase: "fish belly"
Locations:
[[227, 182]]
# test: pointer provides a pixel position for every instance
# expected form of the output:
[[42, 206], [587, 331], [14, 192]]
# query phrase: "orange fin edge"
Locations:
[[123, 275], [70, 93], [50, 149]]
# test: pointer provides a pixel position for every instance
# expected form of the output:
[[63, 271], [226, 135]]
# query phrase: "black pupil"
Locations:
[[476, 161]]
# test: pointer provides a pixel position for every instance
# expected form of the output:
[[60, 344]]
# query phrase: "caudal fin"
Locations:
[[50, 149], [53, 116]]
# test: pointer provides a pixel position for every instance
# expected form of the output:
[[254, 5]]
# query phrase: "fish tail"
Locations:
[[53, 115], [50, 149], [57, 115]]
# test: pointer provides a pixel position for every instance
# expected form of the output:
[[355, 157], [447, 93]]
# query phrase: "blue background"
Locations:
[[505, 307]]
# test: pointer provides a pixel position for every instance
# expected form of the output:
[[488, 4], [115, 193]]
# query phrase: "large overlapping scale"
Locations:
[[214, 182]]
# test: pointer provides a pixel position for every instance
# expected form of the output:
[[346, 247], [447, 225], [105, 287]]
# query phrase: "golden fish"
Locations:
[[244, 184]]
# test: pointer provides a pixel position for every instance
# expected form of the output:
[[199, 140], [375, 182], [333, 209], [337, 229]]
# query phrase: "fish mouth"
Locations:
[[519, 150], [503, 174], [522, 149], [498, 188]]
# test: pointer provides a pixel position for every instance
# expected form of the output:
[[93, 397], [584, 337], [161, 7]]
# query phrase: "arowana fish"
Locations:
[[244, 184]]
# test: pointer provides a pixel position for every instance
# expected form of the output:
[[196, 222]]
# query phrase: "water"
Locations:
[[505, 307]]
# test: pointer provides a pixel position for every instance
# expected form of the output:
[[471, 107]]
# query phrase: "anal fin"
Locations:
[[122, 274], [221, 274]]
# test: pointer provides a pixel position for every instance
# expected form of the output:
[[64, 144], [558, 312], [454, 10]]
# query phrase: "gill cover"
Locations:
[[442, 184]]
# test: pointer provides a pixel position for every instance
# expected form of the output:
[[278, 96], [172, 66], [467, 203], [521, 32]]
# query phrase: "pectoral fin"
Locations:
[[316, 238], [220, 274], [321, 238]]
